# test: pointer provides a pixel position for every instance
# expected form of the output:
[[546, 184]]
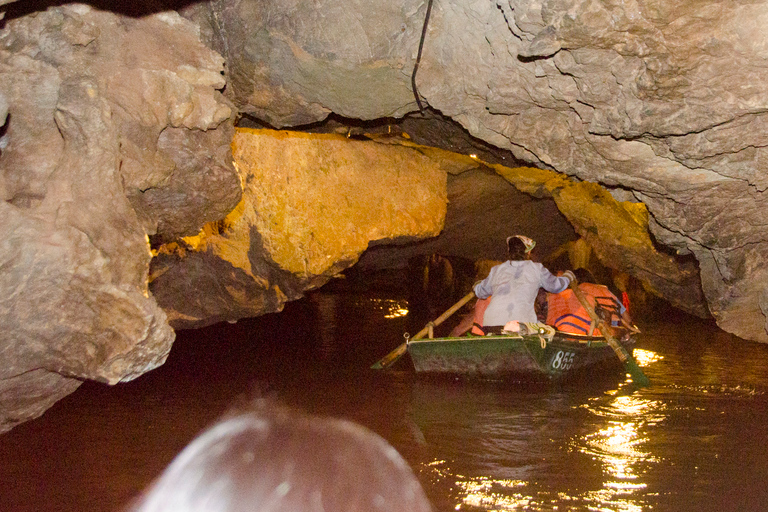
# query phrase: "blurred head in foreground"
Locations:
[[275, 459]]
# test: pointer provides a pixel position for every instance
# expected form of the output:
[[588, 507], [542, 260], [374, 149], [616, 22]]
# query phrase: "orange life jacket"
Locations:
[[565, 313]]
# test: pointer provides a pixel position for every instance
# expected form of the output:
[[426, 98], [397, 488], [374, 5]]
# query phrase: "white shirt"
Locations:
[[513, 286]]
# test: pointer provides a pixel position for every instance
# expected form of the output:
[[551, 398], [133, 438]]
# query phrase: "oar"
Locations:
[[638, 377], [393, 356]]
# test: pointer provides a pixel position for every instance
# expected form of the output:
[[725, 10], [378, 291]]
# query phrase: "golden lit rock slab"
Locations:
[[618, 232], [321, 199], [311, 206]]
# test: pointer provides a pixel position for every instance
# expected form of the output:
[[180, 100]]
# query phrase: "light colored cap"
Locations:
[[529, 244]]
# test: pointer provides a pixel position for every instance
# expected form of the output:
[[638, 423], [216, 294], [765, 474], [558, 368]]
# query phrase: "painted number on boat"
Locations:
[[563, 360]]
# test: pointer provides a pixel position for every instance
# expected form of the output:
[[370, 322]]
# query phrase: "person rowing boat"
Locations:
[[514, 284]]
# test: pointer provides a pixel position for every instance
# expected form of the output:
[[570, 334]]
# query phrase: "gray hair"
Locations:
[[275, 459]]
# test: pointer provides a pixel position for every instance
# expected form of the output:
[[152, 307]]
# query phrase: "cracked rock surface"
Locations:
[[665, 101]]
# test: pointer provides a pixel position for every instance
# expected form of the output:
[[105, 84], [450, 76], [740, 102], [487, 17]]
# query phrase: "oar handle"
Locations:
[[442, 318], [393, 356], [599, 322]]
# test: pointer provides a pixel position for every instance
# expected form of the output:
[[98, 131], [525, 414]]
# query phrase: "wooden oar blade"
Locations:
[[389, 359], [638, 377]]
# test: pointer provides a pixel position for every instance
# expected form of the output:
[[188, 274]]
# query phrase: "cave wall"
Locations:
[[115, 131], [658, 99]]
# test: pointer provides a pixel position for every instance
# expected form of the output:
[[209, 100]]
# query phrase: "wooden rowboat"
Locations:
[[543, 354], [529, 357]]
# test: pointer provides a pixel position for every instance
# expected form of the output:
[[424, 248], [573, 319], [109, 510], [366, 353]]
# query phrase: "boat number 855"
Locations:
[[562, 360]]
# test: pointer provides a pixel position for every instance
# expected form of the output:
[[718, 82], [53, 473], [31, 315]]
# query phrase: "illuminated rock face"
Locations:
[[664, 100], [311, 205], [321, 199], [115, 132], [618, 233]]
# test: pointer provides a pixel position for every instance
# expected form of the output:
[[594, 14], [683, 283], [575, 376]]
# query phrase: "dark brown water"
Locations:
[[695, 440]]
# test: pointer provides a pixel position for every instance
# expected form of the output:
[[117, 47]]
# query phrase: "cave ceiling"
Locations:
[[128, 213]]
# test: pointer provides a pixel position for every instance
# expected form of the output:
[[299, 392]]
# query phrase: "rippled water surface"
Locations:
[[695, 440]]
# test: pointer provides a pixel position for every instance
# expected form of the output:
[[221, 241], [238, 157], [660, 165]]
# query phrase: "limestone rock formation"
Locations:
[[115, 131], [665, 101], [483, 210], [618, 232], [639, 96], [293, 63], [311, 205]]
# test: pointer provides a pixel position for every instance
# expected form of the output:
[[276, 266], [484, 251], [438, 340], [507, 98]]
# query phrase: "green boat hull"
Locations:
[[514, 356]]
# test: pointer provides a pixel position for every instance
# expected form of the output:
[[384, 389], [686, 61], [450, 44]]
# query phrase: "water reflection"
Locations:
[[694, 440], [618, 446], [620, 441], [334, 313], [389, 308], [485, 493], [490, 494], [592, 440], [393, 308], [646, 357]]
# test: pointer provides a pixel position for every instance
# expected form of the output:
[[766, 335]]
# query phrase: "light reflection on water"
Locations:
[[520, 436], [646, 357], [676, 445], [618, 446], [391, 308], [333, 316], [621, 448], [491, 494], [485, 493]]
